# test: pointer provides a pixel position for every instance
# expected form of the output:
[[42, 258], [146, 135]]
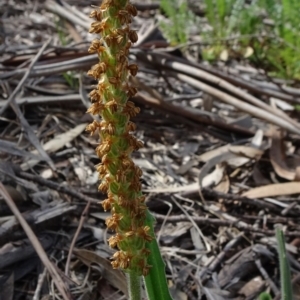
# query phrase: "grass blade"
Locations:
[[155, 281], [285, 274]]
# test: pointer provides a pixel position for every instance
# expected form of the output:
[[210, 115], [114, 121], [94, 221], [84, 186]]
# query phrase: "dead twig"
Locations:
[[82, 219], [56, 186], [213, 76], [219, 222], [70, 16], [162, 105], [243, 106], [266, 276], [24, 78], [12, 102], [41, 280], [59, 283]]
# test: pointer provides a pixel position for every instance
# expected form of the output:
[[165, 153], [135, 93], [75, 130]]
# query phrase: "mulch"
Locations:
[[221, 162]]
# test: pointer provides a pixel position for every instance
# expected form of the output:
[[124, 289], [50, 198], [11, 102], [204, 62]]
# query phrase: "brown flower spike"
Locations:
[[120, 177]]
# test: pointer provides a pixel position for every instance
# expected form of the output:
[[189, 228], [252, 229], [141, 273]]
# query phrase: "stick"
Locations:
[[36, 245], [83, 217]]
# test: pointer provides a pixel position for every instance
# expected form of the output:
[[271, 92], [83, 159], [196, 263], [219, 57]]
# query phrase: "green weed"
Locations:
[[265, 31], [265, 296], [69, 76], [179, 16]]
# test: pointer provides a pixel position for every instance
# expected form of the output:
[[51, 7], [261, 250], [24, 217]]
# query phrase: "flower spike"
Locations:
[[120, 178]]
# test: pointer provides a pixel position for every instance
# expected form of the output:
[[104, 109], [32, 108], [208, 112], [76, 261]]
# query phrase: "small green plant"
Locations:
[[179, 16], [282, 48], [70, 75], [269, 27], [265, 296], [265, 31], [218, 14], [285, 273], [71, 79]]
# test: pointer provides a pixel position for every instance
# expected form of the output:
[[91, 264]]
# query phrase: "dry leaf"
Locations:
[[272, 190], [243, 154], [58, 142], [177, 294], [224, 55], [278, 159], [214, 177], [174, 189], [249, 290], [224, 185], [235, 156], [248, 52], [170, 232], [115, 277], [281, 104], [205, 157]]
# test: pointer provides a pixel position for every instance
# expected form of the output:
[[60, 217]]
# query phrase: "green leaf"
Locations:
[[265, 296], [155, 281], [285, 274]]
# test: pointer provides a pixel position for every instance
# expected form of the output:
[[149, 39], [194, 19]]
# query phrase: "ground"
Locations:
[[220, 163]]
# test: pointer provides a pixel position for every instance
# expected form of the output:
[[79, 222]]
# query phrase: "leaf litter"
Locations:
[[220, 162]]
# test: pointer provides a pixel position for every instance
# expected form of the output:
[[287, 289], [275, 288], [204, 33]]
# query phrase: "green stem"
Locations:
[[134, 286]]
